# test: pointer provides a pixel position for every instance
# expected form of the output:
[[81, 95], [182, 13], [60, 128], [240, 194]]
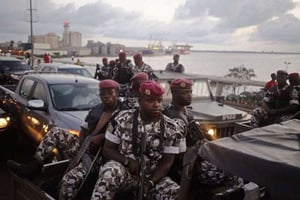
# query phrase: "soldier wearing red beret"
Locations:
[[95, 122], [141, 66], [123, 144], [131, 99], [122, 73], [279, 103]]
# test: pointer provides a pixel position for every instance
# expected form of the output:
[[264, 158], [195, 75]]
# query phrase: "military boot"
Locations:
[[29, 171]]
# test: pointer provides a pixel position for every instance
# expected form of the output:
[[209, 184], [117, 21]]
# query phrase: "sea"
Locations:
[[215, 63]]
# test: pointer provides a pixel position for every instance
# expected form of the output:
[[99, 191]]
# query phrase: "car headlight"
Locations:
[[4, 122], [74, 132], [16, 77]]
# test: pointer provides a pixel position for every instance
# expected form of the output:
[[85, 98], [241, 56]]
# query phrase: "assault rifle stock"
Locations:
[[141, 177]]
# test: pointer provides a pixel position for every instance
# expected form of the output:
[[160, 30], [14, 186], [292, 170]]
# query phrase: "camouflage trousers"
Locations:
[[261, 118], [114, 177], [72, 180], [58, 138]]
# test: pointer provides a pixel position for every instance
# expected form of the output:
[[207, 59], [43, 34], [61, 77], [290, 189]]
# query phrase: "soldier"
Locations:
[[278, 104], [105, 69], [123, 72], [122, 148], [181, 97], [141, 66], [69, 143], [175, 66], [131, 99], [190, 170], [72, 180]]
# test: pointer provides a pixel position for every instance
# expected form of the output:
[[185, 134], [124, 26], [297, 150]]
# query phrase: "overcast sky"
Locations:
[[257, 25]]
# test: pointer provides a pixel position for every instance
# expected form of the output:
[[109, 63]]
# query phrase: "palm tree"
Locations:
[[240, 72]]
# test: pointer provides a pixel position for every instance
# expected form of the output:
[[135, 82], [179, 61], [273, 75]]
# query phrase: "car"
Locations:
[[45, 100], [11, 69], [7, 135], [65, 68]]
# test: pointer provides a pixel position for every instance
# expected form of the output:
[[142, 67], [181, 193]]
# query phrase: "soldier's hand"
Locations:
[[133, 166], [96, 142]]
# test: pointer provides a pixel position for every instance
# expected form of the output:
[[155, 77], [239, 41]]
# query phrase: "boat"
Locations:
[[181, 49], [154, 49]]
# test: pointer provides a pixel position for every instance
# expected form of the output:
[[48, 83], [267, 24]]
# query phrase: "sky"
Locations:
[[242, 25]]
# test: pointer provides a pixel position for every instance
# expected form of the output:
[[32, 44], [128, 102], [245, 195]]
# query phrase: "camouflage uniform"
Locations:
[[62, 139], [114, 177], [72, 179], [145, 68], [275, 99]]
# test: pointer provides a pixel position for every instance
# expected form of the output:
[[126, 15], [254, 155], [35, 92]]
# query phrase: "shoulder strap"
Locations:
[[135, 132]]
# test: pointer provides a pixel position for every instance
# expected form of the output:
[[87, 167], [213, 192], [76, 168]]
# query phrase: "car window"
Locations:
[[70, 97], [6, 65], [79, 71], [39, 92], [26, 87]]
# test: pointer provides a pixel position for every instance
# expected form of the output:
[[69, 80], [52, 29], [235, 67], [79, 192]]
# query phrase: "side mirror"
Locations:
[[37, 104]]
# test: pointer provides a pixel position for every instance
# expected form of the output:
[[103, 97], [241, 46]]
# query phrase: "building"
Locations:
[[50, 38], [71, 38]]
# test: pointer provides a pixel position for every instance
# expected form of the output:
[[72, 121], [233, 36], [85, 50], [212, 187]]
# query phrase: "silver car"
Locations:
[[64, 68]]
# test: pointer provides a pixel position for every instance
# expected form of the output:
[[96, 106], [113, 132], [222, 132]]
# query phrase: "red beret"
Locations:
[[137, 56], [294, 78], [108, 83], [282, 72], [151, 88], [140, 76], [181, 83]]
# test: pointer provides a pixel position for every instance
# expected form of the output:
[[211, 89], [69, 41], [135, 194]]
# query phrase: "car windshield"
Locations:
[[200, 88], [79, 71], [14, 66], [72, 97]]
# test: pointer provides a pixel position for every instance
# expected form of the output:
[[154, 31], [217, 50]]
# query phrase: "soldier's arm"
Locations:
[[111, 152]]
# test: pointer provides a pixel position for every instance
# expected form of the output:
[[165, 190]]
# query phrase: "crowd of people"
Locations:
[[119, 130], [281, 101]]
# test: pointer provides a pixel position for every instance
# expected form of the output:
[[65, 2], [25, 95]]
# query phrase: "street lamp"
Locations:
[[287, 65]]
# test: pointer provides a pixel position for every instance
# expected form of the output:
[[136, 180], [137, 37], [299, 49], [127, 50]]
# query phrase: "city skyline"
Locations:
[[248, 25]]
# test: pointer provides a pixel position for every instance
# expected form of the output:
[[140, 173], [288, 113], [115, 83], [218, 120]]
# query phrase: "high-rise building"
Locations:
[[70, 38], [66, 34], [75, 39]]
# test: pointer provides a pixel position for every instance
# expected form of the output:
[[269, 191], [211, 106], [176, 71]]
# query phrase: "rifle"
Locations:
[[141, 177], [83, 149]]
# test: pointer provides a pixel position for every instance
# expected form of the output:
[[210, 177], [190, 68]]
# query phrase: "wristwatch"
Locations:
[[126, 162]]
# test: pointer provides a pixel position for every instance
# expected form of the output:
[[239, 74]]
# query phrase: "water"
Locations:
[[217, 63]]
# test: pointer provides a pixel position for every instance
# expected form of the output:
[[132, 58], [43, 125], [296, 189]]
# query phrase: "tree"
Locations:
[[240, 72]]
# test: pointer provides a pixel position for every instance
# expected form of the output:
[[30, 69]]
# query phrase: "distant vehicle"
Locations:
[[65, 68], [215, 119], [11, 69], [42, 101]]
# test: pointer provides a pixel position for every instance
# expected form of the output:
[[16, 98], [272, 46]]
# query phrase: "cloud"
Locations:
[[205, 22], [234, 14], [283, 29]]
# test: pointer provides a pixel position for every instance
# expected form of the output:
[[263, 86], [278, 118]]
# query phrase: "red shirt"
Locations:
[[270, 84]]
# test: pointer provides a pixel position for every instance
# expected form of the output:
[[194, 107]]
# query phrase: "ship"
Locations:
[[181, 49], [154, 49]]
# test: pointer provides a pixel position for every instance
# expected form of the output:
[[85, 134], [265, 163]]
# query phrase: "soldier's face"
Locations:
[[109, 96], [150, 105], [183, 96]]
